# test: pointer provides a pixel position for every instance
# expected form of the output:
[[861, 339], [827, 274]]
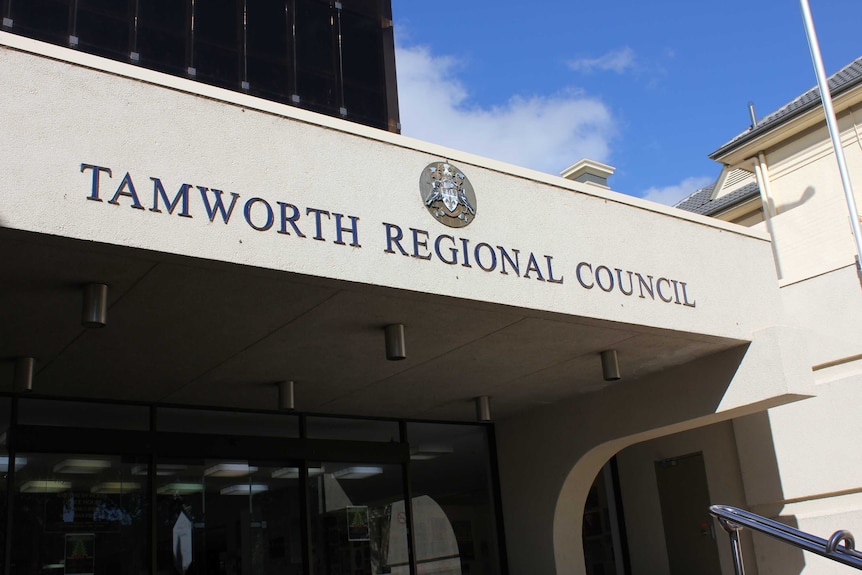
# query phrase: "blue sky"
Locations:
[[649, 87]]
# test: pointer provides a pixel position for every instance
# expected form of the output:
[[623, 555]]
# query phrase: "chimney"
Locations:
[[589, 172]]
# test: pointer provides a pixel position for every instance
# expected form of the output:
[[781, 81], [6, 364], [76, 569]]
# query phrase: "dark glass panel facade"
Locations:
[[104, 27], [83, 414], [336, 58], [161, 35], [217, 49], [352, 429], [46, 20], [316, 60], [181, 420], [363, 72], [268, 59]]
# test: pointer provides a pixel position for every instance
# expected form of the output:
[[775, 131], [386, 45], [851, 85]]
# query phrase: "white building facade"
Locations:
[[781, 176], [238, 411]]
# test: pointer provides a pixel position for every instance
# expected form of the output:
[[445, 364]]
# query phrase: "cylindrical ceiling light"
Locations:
[[396, 346], [610, 365], [95, 310], [483, 408], [24, 367], [285, 396]]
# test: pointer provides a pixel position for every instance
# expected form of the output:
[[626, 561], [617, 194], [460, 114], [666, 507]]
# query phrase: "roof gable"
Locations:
[[701, 202], [841, 81]]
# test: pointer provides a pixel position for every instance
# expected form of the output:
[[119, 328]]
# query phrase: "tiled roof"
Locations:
[[699, 202], [843, 80]]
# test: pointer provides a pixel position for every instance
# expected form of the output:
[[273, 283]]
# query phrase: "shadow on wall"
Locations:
[[764, 493], [776, 556], [608, 421], [806, 195], [571, 440]]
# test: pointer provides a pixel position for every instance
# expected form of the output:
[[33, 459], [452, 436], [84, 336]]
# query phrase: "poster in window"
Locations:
[[80, 553], [357, 524]]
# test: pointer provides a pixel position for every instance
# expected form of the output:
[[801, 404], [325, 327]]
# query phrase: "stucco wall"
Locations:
[[811, 229], [61, 116], [549, 457], [70, 117], [643, 517], [794, 458]]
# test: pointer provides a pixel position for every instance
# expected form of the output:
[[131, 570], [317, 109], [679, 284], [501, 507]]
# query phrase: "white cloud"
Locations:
[[546, 133], [670, 195], [614, 61]]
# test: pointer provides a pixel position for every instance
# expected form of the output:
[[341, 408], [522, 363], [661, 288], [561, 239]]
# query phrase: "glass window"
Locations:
[[46, 20], [226, 422], [601, 528], [103, 27], [79, 514], [453, 503], [5, 415], [163, 26], [316, 57], [217, 27], [367, 8], [228, 516], [352, 429], [333, 59], [267, 63], [364, 80], [357, 519], [83, 414], [5, 404]]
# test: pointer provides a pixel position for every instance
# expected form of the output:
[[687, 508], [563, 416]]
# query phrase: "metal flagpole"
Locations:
[[832, 124]]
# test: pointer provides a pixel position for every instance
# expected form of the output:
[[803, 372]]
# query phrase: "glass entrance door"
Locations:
[[79, 514], [104, 489], [227, 517], [354, 511]]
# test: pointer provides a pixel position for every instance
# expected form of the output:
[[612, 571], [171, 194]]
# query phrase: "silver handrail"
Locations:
[[733, 520]]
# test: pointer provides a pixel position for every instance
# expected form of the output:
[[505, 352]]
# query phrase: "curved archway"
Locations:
[[569, 512]]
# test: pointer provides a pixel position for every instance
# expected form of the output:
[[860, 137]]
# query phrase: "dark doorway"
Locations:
[[688, 528]]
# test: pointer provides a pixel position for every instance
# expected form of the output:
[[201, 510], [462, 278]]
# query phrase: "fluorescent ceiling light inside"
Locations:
[[230, 470], [162, 469], [45, 486], [247, 489], [359, 472], [293, 472], [19, 463], [82, 466], [115, 487], [180, 488], [423, 452]]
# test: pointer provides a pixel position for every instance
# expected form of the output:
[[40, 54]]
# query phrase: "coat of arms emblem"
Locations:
[[448, 194]]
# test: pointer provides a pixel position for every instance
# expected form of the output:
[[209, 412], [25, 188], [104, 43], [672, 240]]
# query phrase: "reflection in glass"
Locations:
[[227, 517], [79, 514], [353, 510], [453, 503]]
